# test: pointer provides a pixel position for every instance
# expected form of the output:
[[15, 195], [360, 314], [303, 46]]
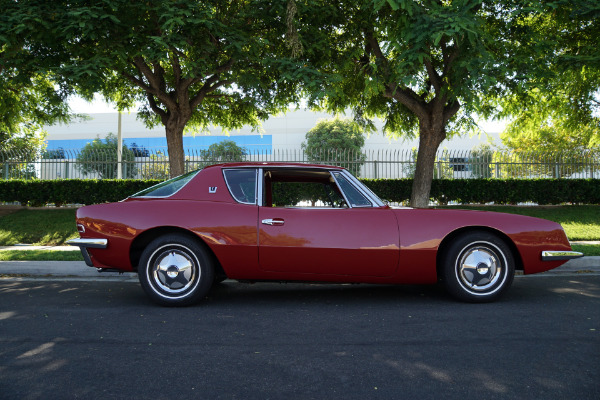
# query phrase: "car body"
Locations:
[[302, 222]]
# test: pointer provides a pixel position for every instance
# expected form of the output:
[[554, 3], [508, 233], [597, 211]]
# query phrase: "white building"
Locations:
[[280, 132]]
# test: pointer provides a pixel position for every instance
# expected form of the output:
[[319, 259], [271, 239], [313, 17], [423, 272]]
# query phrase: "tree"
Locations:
[[566, 64], [480, 161], [427, 66], [336, 141], [571, 150], [191, 63], [100, 157], [224, 151], [29, 96]]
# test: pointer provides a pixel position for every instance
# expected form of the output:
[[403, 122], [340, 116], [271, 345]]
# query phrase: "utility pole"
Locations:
[[119, 151]]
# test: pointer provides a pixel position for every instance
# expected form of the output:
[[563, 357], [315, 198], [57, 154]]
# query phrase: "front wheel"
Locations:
[[477, 267], [176, 270]]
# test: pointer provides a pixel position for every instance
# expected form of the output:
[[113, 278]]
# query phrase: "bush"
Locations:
[[443, 191], [70, 191], [100, 158], [498, 191], [337, 142]]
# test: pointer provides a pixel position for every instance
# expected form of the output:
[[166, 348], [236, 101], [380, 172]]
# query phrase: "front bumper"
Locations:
[[553, 255], [84, 244]]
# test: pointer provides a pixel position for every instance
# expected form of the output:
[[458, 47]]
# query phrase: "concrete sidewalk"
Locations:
[[78, 269], [56, 269]]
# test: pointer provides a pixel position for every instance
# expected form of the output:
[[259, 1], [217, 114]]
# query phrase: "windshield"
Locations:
[[167, 188]]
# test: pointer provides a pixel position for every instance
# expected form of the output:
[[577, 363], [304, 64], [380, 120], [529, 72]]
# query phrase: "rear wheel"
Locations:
[[176, 270], [477, 267]]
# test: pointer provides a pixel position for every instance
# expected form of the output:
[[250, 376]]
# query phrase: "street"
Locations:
[[66, 339]]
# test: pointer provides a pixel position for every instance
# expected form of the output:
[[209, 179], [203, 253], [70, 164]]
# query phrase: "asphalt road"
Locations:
[[66, 339]]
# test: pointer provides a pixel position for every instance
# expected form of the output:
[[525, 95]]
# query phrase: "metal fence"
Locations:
[[154, 164]]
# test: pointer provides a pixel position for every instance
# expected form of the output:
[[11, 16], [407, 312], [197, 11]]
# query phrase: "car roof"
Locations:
[[272, 164]]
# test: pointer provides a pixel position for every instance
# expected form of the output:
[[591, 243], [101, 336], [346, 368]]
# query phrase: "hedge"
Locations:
[[70, 191], [463, 191], [498, 191]]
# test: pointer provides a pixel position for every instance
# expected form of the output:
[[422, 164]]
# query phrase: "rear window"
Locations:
[[242, 184], [167, 188]]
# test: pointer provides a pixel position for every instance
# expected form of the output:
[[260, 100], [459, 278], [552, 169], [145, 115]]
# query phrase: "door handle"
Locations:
[[273, 221]]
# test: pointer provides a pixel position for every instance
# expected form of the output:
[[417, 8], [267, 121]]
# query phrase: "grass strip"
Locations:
[[592, 250], [40, 255], [38, 227]]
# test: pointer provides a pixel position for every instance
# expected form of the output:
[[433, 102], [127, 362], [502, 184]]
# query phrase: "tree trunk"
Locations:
[[431, 135], [174, 127]]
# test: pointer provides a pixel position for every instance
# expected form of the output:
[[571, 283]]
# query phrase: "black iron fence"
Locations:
[[378, 164]]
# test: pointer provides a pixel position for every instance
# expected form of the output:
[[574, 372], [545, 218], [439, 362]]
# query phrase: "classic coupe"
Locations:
[[309, 223]]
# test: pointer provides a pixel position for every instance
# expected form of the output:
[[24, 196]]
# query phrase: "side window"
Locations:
[[306, 194], [286, 187], [242, 184], [356, 198]]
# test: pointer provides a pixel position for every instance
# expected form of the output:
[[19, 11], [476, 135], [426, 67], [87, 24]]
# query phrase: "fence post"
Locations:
[[376, 168], [67, 169]]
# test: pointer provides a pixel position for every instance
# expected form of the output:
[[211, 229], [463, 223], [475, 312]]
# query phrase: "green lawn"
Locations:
[[55, 226], [39, 227], [587, 249], [40, 255]]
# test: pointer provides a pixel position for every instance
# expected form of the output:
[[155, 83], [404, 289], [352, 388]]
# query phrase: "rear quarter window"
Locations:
[[167, 188]]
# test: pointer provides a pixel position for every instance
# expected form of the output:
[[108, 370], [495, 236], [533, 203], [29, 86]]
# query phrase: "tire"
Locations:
[[176, 270], [477, 267]]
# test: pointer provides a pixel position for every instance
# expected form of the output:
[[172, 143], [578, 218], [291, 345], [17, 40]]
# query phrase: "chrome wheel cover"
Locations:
[[173, 270], [480, 268]]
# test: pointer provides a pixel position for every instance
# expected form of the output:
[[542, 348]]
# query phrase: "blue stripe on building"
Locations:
[[252, 143]]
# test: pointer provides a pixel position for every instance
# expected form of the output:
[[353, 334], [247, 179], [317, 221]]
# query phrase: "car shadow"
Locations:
[[232, 292]]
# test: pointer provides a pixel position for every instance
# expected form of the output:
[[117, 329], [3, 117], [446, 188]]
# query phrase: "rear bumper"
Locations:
[[84, 244], [553, 255]]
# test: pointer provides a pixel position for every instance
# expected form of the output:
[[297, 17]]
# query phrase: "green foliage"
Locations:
[[481, 160], [498, 191], [465, 191], [30, 96], [224, 151], [70, 191], [427, 67], [191, 64], [100, 157], [336, 141], [561, 66], [533, 140], [157, 168], [40, 255], [292, 194], [41, 227]]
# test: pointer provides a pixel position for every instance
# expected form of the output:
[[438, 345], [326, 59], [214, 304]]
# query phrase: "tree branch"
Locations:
[[434, 78], [154, 106], [154, 81], [372, 46], [205, 90], [449, 59], [450, 110]]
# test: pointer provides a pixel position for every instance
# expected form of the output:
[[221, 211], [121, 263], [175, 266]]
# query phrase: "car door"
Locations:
[[327, 240]]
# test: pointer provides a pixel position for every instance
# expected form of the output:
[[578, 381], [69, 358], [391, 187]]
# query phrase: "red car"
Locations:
[[300, 222]]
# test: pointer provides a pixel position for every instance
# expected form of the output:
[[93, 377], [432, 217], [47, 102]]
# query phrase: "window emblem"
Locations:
[[212, 189]]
